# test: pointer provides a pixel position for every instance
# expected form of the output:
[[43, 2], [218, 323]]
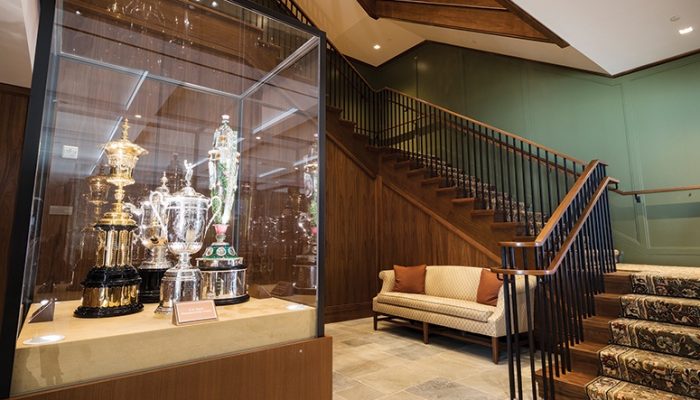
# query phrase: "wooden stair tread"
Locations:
[[505, 225], [417, 171], [431, 181], [446, 189], [463, 200], [483, 213]]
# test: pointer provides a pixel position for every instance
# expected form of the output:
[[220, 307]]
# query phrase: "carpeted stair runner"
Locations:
[[659, 371], [672, 285], [661, 337], [674, 310], [605, 388], [655, 345]]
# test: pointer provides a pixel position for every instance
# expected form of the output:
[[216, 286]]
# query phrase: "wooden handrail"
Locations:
[[512, 135], [652, 191], [558, 214], [562, 253]]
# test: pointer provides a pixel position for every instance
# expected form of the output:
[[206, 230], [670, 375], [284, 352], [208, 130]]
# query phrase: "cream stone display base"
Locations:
[[101, 348]]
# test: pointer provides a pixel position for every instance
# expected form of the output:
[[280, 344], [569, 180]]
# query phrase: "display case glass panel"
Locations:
[[178, 161]]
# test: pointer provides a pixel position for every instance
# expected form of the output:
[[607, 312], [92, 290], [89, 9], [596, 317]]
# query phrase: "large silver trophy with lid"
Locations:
[[152, 235], [186, 214], [223, 271]]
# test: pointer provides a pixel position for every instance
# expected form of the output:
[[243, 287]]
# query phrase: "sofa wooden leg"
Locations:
[[494, 350], [426, 333], [375, 321]]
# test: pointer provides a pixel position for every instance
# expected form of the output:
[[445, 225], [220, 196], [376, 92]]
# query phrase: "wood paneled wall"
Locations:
[[13, 115], [351, 236], [372, 225]]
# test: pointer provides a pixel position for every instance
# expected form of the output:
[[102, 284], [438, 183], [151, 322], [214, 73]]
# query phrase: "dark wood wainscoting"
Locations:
[[297, 371], [13, 116], [371, 224]]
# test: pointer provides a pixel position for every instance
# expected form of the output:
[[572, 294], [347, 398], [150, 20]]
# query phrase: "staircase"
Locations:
[[643, 343]]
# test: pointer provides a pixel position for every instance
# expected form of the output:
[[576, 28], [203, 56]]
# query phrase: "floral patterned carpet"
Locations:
[[655, 346]]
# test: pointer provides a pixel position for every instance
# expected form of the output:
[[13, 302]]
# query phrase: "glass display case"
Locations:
[[178, 155]]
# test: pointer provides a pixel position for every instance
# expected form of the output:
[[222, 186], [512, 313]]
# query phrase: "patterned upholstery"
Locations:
[[452, 283], [443, 305]]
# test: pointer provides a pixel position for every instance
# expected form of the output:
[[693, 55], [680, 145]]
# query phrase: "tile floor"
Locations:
[[394, 364]]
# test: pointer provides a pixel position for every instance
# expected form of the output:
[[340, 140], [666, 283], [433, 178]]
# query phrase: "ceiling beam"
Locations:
[[530, 20], [459, 3], [483, 20]]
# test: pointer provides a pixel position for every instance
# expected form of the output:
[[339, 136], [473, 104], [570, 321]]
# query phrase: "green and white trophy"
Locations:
[[223, 271]]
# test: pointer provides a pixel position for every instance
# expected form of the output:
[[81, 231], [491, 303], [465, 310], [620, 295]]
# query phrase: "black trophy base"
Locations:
[[149, 291], [234, 300], [104, 312], [310, 291]]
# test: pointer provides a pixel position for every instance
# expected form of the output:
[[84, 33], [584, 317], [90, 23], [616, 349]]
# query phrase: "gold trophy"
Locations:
[[111, 287]]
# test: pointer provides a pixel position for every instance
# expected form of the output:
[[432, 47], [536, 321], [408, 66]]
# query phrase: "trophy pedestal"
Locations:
[[110, 292], [150, 283], [305, 274], [223, 275], [178, 284], [152, 272]]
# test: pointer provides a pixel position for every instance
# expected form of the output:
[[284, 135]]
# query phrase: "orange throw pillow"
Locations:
[[409, 279], [489, 285]]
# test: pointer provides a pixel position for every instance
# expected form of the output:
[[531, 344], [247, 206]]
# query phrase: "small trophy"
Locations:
[[111, 287], [305, 266], [153, 237], [186, 214], [223, 271], [98, 192]]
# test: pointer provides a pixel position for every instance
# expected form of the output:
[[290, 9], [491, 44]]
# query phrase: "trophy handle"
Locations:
[[130, 207], [152, 199]]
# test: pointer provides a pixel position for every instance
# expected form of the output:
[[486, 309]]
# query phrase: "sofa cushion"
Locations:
[[455, 282], [409, 279], [441, 305], [489, 286]]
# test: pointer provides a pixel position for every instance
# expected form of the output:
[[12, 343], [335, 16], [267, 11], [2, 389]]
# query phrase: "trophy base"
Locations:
[[149, 292], [110, 292], [305, 278], [223, 280], [103, 312], [235, 300], [178, 284]]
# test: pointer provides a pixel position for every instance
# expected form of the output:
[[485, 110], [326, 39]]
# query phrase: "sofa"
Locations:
[[449, 302]]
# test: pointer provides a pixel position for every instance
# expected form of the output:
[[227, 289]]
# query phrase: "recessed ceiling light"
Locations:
[[258, 137], [78, 12], [214, 4], [685, 31], [377, 46], [138, 116], [675, 18]]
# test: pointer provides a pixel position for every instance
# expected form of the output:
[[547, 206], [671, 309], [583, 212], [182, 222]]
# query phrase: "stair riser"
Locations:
[[606, 307], [594, 333], [585, 361], [618, 283]]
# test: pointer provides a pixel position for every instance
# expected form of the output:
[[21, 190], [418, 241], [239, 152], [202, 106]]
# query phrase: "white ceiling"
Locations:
[[18, 26], [621, 35], [605, 36]]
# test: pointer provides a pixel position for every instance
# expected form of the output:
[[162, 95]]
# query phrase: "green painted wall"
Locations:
[[645, 125]]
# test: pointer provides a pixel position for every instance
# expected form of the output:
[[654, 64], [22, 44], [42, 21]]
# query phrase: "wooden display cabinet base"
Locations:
[[296, 371]]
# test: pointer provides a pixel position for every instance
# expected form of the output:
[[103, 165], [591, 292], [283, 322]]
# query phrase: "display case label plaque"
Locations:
[[190, 312]]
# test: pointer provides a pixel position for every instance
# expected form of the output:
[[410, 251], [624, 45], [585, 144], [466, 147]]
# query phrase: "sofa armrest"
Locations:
[[499, 316], [387, 277]]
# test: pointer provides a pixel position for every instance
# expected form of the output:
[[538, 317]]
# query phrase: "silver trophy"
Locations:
[[223, 271], [305, 268], [186, 223], [153, 236]]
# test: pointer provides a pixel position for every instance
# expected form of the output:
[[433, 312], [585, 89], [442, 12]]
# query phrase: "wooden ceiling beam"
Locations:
[[458, 3], [530, 20], [483, 20]]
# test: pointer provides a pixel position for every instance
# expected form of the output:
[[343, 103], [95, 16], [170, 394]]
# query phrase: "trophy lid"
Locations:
[[123, 153]]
